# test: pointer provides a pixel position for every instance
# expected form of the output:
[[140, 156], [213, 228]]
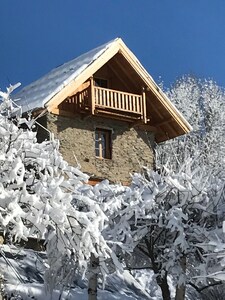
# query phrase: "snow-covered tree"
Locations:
[[169, 219], [202, 102], [40, 196]]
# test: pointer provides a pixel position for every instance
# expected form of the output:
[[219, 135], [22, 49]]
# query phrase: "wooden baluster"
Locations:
[[110, 98], [103, 97], [93, 96], [117, 100], [78, 104], [113, 99], [141, 106], [144, 106], [138, 104], [107, 98], [86, 99], [134, 104], [80, 99], [121, 100], [127, 103], [81, 105], [131, 104], [98, 96]]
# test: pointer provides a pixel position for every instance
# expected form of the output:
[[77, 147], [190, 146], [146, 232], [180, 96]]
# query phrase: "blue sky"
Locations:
[[170, 37]]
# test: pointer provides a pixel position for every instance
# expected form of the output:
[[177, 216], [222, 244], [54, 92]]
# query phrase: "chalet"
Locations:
[[106, 110]]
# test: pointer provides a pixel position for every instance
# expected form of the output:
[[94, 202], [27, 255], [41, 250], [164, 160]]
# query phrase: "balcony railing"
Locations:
[[98, 99], [118, 100]]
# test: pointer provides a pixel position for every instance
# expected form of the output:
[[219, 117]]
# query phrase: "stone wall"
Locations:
[[131, 148]]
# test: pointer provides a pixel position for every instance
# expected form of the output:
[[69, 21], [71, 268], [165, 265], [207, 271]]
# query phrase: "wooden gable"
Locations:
[[107, 81], [125, 76]]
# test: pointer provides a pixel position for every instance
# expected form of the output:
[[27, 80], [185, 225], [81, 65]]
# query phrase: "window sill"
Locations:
[[103, 158]]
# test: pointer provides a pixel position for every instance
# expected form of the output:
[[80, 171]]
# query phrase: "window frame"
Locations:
[[103, 143]]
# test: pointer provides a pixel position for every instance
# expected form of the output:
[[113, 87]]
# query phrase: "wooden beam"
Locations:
[[118, 110], [92, 96], [38, 112], [61, 112], [70, 114], [145, 127], [82, 87], [114, 115], [122, 117], [93, 181], [128, 70], [154, 107], [118, 75], [163, 122]]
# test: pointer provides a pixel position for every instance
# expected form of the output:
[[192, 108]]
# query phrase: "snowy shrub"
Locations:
[[40, 197]]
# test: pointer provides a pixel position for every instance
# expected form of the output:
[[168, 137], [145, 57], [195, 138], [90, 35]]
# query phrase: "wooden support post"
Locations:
[[144, 105], [92, 96]]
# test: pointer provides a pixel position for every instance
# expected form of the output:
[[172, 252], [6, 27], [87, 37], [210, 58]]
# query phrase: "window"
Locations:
[[101, 82], [103, 148]]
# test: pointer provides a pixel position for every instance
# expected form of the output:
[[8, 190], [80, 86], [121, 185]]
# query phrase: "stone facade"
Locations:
[[132, 148]]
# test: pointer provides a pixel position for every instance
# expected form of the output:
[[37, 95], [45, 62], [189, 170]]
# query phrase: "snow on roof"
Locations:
[[39, 92]]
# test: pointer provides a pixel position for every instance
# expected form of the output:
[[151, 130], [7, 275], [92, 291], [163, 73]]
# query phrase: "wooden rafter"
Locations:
[[116, 73]]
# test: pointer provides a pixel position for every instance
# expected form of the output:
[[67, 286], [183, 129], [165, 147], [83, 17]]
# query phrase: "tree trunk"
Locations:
[[161, 281], [93, 279], [180, 290], [163, 284]]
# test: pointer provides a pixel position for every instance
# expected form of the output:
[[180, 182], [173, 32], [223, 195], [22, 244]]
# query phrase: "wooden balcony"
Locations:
[[102, 101]]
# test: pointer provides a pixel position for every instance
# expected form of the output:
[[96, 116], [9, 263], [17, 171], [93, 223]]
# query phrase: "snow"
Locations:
[[39, 92], [23, 271], [107, 222]]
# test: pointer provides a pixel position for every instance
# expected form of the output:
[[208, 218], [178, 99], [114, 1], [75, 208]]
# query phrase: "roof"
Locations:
[[38, 93], [64, 81]]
